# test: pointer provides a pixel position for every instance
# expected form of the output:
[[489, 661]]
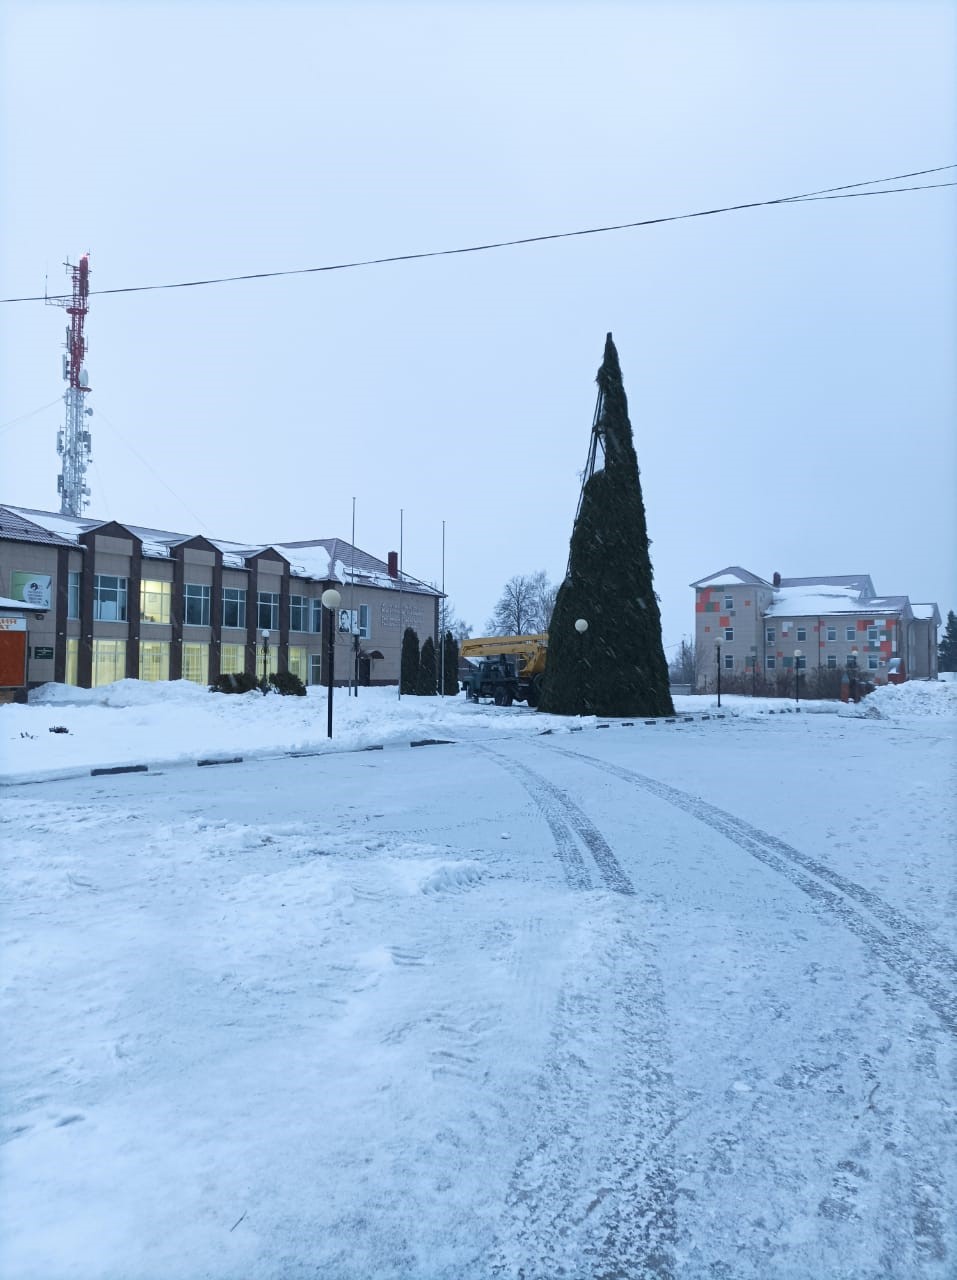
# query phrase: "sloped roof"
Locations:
[[15, 526], [731, 576], [318, 559], [858, 581]]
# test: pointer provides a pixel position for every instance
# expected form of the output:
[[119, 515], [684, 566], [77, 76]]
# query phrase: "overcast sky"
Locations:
[[790, 370]]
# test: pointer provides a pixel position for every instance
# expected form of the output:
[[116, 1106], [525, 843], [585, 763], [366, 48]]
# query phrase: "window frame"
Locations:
[[73, 594], [101, 596], [802, 635], [190, 598], [770, 635], [267, 601], [148, 588], [770, 662], [239, 604], [850, 634], [299, 612]]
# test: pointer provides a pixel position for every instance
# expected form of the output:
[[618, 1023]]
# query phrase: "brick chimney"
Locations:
[[776, 580], [393, 564]]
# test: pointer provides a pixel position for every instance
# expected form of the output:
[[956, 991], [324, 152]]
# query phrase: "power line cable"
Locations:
[[825, 193], [32, 414]]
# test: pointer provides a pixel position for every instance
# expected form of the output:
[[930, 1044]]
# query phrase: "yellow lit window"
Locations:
[[72, 660], [297, 661], [154, 660], [196, 663], [232, 661], [154, 601], [109, 661]]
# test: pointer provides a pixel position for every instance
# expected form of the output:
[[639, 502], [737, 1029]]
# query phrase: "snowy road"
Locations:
[[667, 1002]]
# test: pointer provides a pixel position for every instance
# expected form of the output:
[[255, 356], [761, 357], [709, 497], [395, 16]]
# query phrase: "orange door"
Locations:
[[13, 659]]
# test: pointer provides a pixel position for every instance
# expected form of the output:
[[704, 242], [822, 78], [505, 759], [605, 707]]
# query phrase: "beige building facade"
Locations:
[[748, 626], [105, 601]]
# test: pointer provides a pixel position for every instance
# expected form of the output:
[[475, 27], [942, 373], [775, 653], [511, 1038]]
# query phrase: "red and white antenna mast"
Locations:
[[73, 441]]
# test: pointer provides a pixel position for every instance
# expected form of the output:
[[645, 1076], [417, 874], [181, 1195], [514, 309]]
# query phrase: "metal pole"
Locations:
[[332, 667], [442, 614], [352, 606], [719, 672], [401, 635]]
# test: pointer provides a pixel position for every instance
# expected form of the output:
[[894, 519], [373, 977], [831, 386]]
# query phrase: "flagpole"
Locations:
[[442, 614], [401, 513]]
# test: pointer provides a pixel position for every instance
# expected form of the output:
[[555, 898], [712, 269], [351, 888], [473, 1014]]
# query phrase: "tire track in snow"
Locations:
[[593, 1193], [927, 966]]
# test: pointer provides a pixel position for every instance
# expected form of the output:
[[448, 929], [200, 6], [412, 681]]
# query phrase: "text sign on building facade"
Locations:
[[13, 624], [35, 589], [44, 651]]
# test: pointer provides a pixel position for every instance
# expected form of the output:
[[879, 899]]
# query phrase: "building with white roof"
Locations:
[[105, 601], [761, 629]]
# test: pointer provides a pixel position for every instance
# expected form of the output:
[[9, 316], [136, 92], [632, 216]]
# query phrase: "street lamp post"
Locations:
[[581, 626], [754, 669], [265, 660], [798, 655], [331, 599], [854, 686], [717, 645]]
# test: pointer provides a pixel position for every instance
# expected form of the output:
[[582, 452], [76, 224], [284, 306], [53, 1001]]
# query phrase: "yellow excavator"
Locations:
[[511, 668]]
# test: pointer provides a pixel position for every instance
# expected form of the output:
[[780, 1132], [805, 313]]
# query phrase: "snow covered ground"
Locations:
[[552, 999]]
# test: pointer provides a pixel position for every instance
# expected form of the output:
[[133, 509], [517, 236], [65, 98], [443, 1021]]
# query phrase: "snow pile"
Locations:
[[904, 701]]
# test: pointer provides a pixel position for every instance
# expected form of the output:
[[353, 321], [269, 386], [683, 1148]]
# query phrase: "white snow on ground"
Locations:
[[671, 1000]]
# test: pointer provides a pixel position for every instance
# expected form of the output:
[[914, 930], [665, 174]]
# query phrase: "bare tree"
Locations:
[[683, 667], [449, 621], [525, 606]]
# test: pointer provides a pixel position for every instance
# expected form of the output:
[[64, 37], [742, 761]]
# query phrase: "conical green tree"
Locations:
[[947, 649], [450, 650], [615, 667], [409, 661], [425, 683]]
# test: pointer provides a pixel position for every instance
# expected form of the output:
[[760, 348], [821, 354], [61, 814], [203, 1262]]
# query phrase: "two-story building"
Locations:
[[105, 601], [758, 628]]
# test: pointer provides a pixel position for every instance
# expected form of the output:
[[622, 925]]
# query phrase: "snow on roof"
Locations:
[[6, 603], [306, 562], [732, 576], [20, 523], [811, 601], [925, 612]]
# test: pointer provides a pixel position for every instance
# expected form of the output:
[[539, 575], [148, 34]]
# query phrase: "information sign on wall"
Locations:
[[34, 589]]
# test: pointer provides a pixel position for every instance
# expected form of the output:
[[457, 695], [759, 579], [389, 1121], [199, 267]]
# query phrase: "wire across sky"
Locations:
[[846, 192]]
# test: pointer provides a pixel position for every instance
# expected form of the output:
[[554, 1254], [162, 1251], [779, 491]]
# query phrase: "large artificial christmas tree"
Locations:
[[605, 655]]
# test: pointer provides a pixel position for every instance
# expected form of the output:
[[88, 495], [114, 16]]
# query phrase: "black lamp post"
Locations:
[[265, 660], [331, 599], [754, 669], [798, 655], [717, 645], [581, 626]]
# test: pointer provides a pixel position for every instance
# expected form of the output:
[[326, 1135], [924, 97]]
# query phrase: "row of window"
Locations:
[[850, 634], [109, 661], [110, 605], [770, 662]]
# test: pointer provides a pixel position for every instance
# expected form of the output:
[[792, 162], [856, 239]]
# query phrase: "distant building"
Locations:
[[105, 601], [828, 623]]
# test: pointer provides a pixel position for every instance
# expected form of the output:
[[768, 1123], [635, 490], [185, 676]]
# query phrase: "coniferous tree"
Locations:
[[617, 666], [450, 649], [425, 683], [409, 662], [947, 649]]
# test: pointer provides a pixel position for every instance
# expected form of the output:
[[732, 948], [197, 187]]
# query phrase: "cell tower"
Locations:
[[73, 441]]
